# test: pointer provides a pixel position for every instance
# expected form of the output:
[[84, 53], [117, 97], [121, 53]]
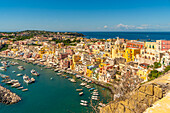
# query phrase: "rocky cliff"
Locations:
[[141, 98], [7, 97]]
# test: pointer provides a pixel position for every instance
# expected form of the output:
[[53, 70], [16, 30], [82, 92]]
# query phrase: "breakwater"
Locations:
[[7, 97]]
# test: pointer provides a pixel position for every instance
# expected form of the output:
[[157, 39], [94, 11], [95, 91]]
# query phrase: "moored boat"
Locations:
[[27, 79], [34, 72], [81, 93], [21, 68], [79, 89], [25, 89]]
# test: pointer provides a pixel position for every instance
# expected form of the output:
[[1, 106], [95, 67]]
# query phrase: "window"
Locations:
[[163, 42], [164, 47]]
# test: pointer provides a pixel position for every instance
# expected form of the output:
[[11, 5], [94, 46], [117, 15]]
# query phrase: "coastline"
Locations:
[[102, 84]]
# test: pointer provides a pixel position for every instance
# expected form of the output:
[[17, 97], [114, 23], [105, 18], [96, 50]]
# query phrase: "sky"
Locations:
[[85, 15]]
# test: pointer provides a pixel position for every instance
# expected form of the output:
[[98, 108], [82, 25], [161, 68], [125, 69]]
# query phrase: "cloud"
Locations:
[[124, 27], [105, 26], [142, 27]]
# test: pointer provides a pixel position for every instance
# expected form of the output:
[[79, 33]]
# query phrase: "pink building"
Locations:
[[164, 45]]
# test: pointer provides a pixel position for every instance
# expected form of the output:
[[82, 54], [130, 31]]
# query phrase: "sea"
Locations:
[[142, 36], [50, 93]]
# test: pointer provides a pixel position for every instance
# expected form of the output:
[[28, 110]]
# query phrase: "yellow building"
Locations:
[[143, 74], [151, 45], [89, 72], [130, 54]]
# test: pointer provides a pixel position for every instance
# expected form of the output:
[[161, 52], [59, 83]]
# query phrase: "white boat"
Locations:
[[83, 84], [20, 74], [16, 85], [20, 87], [34, 72], [12, 81], [101, 104], [27, 79], [2, 68], [13, 71], [32, 79], [72, 80], [83, 104], [83, 101], [24, 89], [81, 93], [21, 68]]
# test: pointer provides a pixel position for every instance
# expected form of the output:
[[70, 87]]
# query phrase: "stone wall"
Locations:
[[7, 97], [139, 99]]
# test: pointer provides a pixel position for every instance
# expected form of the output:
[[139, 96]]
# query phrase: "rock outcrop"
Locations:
[[141, 98], [7, 97]]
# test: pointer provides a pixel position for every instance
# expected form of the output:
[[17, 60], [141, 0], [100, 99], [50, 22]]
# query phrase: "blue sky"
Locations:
[[85, 15]]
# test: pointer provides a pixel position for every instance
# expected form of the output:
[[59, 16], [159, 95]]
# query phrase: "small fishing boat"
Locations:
[[101, 104], [16, 85], [27, 79], [83, 104], [20, 87], [91, 89], [32, 79], [12, 81], [72, 80], [21, 68], [34, 72], [79, 89], [81, 93], [83, 101], [13, 71], [3, 68], [83, 84], [24, 89], [20, 74]]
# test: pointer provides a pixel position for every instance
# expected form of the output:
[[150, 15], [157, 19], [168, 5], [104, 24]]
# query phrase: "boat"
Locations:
[[78, 76], [32, 79], [20, 87], [20, 74], [12, 81], [83, 101], [16, 85], [81, 93], [83, 84], [91, 89], [83, 104], [34, 72], [72, 80], [13, 71], [3, 68], [94, 99], [21, 68], [27, 79], [25, 89], [79, 89], [101, 104]]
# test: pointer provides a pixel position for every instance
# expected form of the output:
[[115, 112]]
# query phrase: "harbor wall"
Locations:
[[7, 97], [140, 98]]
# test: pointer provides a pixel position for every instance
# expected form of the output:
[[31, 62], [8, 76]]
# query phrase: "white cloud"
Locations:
[[105, 26], [124, 27]]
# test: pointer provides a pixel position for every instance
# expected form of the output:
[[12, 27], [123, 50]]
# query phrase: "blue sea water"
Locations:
[[49, 96], [129, 35]]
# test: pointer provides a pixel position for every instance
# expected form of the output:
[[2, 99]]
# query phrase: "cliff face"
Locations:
[[141, 98]]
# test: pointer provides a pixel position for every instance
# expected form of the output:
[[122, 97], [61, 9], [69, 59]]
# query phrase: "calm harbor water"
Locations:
[[48, 96], [129, 35]]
